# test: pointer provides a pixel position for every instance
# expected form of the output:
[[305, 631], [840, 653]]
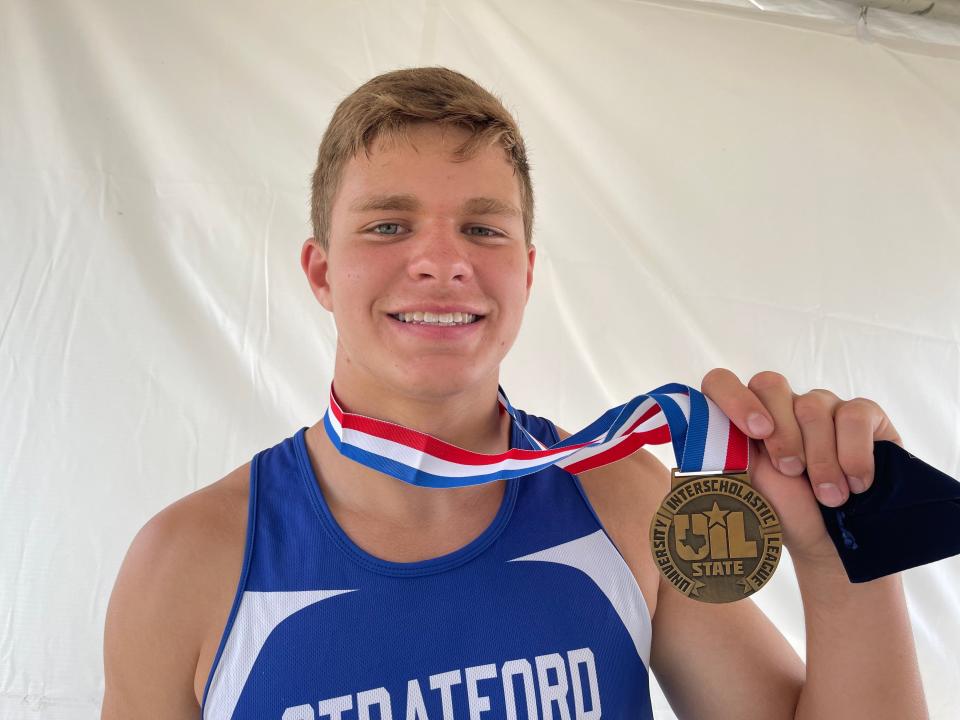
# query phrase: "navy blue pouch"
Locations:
[[909, 516]]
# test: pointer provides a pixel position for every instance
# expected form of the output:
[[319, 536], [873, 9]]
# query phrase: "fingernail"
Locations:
[[856, 484], [758, 424], [829, 494], [791, 465]]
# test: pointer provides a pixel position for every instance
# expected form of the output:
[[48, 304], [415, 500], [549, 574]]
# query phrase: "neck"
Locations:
[[469, 418]]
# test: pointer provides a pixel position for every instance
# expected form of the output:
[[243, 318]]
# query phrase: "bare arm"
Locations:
[[170, 603], [723, 661], [729, 662], [150, 646], [861, 658]]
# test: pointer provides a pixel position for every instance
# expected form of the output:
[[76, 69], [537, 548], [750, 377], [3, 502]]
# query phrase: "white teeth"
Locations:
[[455, 318]]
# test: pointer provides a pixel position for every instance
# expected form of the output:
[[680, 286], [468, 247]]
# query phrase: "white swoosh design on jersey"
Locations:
[[596, 556], [258, 615]]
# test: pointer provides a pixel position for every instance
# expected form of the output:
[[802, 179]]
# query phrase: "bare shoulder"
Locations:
[[625, 495], [171, 600]]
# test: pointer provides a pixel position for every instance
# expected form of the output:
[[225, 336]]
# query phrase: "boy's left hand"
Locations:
[[811, 443]]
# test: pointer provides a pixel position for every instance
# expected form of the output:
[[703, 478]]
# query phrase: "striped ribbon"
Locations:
[[704, 441]]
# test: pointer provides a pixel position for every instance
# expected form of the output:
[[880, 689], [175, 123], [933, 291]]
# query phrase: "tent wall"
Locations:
[[716, 186]]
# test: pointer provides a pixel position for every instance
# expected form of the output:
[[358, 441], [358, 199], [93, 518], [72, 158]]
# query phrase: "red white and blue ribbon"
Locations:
[[704, 441]]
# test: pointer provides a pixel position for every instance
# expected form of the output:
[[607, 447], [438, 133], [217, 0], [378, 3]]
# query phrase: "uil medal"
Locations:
[[714, 537]]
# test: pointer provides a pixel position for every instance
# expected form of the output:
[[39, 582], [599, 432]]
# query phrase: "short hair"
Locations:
[[388, 104]]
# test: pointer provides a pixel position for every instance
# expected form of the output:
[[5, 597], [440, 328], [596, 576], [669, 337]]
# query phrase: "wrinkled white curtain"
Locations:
[[716, 186]]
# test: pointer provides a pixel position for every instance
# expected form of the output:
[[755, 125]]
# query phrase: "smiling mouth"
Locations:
[[437, 319]]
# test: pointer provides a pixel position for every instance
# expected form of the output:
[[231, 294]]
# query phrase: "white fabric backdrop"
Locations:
[[716, 187]]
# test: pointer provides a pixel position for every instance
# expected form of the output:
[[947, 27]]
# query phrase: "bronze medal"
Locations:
[[714, 537]]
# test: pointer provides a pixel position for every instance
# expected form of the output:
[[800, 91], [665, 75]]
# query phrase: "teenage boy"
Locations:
[[306, 584]]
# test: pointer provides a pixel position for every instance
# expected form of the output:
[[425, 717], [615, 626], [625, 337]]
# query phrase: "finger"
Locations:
[[814, 412], [859, 422], [785, 445], [737, 402]]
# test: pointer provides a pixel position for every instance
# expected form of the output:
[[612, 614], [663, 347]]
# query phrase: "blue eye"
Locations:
[[493, 233], [487, 232]]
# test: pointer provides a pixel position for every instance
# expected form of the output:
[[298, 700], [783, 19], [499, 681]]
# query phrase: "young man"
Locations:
[[305, 584]]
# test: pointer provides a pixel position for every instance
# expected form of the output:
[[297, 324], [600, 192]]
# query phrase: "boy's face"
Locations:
[[432, 251]]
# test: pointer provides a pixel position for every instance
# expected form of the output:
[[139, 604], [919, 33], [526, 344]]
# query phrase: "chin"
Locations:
[[440, 380]]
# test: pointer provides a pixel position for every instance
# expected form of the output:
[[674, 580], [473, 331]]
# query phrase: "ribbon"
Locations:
[[704, 440], [907, 518]]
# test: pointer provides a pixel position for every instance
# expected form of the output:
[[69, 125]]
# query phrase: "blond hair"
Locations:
[[387, 104]]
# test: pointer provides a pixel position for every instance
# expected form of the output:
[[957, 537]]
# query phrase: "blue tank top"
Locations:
[[539, 617]]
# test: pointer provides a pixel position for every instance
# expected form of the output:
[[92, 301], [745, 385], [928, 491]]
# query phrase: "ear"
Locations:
[[313, 260], [531, 258]]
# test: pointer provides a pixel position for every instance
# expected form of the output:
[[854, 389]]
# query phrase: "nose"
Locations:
[[441, 254]]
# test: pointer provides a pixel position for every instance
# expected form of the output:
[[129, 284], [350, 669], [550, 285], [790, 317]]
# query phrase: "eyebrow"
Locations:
[[409, 203]]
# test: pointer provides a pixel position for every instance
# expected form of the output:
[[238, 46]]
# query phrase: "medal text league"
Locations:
[[714, 537]]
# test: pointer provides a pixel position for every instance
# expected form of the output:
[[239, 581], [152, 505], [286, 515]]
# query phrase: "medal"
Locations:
[[714, 537]]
